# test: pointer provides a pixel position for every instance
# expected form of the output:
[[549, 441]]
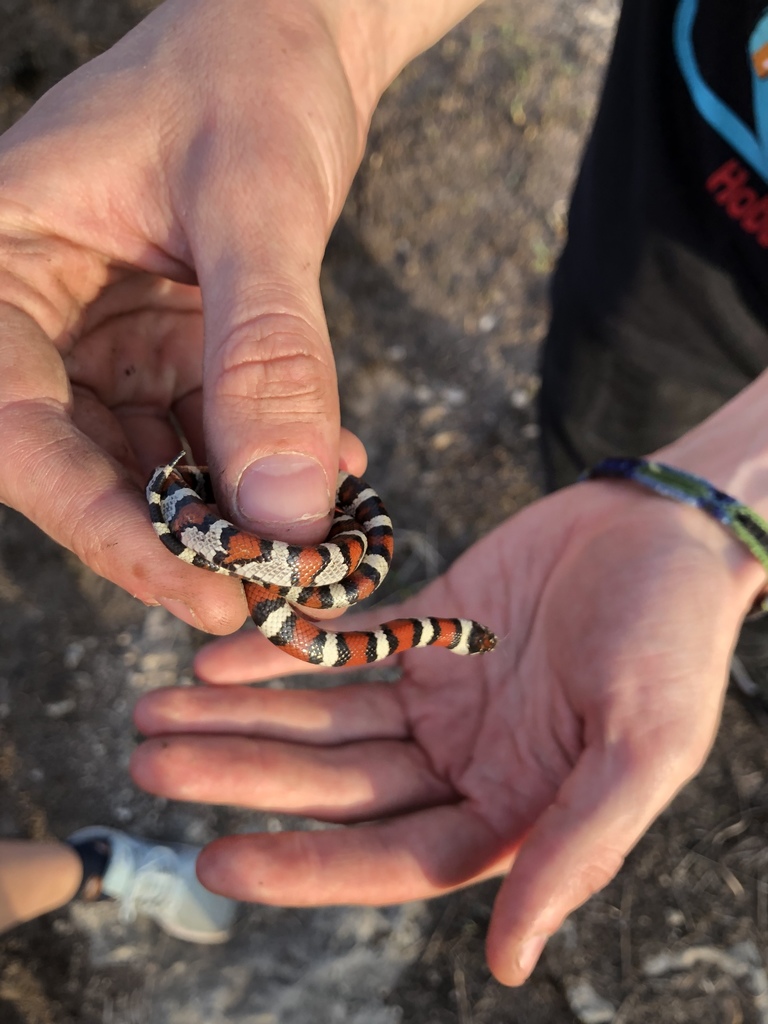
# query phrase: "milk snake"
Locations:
[[347, 567]]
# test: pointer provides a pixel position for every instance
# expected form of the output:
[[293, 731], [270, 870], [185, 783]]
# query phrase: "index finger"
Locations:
[[408, 857]]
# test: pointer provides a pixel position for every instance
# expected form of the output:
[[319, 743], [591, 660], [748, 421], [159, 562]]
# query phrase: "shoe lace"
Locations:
[[152, 884]]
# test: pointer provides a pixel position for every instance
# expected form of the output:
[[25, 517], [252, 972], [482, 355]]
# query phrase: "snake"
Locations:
[[279, 578]]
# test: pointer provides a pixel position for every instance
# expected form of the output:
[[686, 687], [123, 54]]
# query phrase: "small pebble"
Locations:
[[60, 708], [73, 655], [454, 396]]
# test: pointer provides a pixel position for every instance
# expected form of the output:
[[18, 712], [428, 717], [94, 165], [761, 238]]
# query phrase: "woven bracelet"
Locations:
[[746, 525]]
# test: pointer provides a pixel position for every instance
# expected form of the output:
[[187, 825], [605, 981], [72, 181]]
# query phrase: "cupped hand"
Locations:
[[544, 760], [163, 216]]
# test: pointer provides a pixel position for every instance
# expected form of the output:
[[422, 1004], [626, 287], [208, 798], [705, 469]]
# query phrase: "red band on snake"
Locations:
[[347, 567]]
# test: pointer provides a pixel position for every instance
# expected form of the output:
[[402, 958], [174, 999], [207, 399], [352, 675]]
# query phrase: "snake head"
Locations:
[[481, 639]]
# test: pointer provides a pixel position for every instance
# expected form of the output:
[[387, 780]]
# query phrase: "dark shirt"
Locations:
[[660, 300]]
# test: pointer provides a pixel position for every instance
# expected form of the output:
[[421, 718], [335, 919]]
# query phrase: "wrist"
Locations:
[[375, 41], [693, 544], [682, 474], [730, 450], [744, 476]]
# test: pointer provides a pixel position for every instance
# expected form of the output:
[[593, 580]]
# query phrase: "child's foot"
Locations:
[[156, 879]]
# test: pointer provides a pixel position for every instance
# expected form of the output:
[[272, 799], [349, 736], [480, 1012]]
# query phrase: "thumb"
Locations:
[[272, 419], [578, 845], [271, 405]]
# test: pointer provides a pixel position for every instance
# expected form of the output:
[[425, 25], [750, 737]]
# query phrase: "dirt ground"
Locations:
[[435, 285]]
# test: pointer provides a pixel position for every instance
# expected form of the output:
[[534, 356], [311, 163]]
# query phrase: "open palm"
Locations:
[[546, 759]]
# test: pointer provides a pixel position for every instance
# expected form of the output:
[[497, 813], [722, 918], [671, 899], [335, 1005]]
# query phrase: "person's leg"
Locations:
[[159, 880], [144, 877], [35, 877]]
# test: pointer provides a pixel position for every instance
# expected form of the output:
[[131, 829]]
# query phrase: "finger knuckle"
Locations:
[[276, 361], [593, 877]]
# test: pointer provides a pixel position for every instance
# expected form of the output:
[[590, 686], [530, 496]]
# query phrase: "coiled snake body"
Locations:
[[347, 567]]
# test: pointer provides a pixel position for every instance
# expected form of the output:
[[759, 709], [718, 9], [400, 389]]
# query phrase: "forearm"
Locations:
[[730, 448]]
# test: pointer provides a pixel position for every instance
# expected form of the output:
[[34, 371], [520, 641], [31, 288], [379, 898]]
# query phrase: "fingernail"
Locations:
[[530, 951], [181, 611], [283, 489]]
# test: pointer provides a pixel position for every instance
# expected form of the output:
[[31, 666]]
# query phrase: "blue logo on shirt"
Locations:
[[751, 144]]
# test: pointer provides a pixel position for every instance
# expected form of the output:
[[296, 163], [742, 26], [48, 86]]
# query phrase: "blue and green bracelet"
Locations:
[[742, 521]]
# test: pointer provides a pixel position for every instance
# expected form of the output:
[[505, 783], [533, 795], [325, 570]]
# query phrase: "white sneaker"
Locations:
[[159, 880]]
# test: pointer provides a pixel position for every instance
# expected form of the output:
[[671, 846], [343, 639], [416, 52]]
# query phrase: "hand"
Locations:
[[545, 760], [199, 164]]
